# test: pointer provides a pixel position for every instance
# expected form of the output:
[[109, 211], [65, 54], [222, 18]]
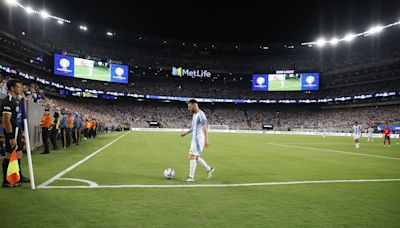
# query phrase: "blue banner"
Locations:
[[392, 128], [119, 73], [260, 82], [309, 81], [64, 65]]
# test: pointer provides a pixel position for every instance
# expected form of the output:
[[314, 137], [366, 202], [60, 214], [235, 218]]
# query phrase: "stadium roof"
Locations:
[[240, 21]]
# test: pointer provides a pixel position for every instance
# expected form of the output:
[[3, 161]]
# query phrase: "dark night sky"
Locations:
[[239, 21]]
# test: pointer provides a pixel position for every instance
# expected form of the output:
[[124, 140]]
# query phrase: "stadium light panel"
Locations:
[[11, 2], [60, 22], [349, 37], [109, 34], [334, 41], [375, 29], [29, 10], [321, 42], [44, 14]]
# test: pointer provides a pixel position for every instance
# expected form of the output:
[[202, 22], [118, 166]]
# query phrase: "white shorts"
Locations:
[[196, 147], [356, 136]]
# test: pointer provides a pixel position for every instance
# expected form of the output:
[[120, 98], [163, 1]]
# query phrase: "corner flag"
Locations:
[[13, 169]]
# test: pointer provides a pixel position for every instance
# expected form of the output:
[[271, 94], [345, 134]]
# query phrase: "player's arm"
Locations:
[[183, 134], [8, 128], [205, 129]]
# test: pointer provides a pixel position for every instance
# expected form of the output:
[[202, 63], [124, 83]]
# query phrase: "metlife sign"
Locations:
[[180, 72]]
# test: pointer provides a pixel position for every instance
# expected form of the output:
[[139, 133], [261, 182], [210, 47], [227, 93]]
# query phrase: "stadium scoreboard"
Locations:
[[285, 81], [90, 69]]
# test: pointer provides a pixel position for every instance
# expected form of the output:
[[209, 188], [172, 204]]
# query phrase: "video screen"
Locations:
[[285, 82], [90, 69]]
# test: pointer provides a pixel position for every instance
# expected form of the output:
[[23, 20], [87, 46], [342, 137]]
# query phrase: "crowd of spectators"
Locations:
[[344, 72]]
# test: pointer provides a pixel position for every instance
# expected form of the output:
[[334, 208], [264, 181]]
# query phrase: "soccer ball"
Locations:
[[169, 173]]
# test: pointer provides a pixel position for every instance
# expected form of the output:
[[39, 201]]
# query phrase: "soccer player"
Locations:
[[199, 140], [357, 134], [282, 79], [386, 136], [90, 66], [370, 132]]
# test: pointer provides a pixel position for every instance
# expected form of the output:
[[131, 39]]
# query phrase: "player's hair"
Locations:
[[12, 83], [192, 101]]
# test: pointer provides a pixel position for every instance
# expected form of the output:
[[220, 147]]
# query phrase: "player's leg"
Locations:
[[357, 143], [202, 163], [6, 161], [192, 167], [192, 162], [20, 146]]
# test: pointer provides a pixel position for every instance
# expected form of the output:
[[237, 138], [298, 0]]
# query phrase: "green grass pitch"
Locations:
[[141, 157], [290, 85], [98, 73]]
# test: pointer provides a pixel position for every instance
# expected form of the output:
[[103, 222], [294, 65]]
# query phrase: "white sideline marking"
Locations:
[[336, 151], [311, 143], [91, 183], [62, 173], [223, 185]]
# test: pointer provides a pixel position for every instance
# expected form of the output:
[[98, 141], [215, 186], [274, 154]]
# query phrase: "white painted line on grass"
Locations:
[[90, 183], [223, 185], [62, 173], [336, 151]]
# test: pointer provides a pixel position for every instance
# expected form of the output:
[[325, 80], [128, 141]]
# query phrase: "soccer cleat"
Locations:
[[24, 180], [189, 179], [210, 173], [7, 185]]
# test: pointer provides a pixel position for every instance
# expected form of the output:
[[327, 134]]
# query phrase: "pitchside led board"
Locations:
[[286, 82], [90, 69]]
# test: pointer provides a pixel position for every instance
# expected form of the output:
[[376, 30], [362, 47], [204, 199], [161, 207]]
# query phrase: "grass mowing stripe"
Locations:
[[337, 151], [62, 173]]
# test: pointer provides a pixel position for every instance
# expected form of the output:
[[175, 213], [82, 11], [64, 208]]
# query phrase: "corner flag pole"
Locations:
[[28, 152]]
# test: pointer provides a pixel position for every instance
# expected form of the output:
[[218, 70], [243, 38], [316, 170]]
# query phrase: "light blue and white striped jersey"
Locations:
[[357, 130], [370, 130], [198, 122]]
